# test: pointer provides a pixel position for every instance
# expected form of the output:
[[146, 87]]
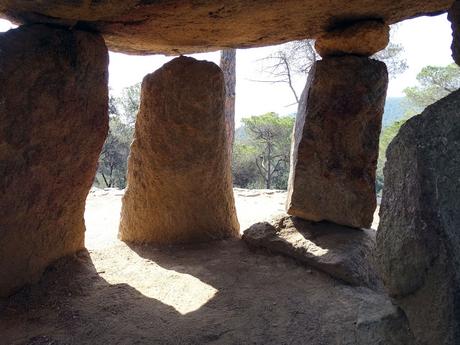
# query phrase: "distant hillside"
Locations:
[[394, 110], [240, 134]]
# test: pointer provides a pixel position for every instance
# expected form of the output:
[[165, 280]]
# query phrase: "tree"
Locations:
[[270, 135], [392, 55], [244, 170], [114, 156], [228, 66], [434, 83], [293, 61], [128, 103]]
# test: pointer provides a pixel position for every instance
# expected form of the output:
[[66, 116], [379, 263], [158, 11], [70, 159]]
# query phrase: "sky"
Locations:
[[426, 41]]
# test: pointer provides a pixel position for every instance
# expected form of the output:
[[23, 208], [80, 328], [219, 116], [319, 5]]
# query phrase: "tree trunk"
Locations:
[[228, 66], [105, 179], [269, 165]]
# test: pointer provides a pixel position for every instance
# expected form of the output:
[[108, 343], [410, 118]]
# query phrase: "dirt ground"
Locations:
[[103, 212], [214, 293]]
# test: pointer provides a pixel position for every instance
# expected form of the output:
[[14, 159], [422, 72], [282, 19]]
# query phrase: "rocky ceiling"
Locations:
[[185, 26]]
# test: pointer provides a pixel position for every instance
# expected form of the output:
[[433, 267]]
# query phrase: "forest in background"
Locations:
[[261, 148]]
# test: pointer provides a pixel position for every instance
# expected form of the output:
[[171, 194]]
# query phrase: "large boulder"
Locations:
[[181, 26], [53, 123], [418, 241], [342, 252], [179, 174], [364, 38], [335, 145]]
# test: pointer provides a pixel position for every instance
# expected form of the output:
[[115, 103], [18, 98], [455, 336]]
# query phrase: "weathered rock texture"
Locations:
[[344, 253], [454, 17], [335, 144], [53, 123], [197, 25], [179, 176], [418, 241], [380, 322], [363, 38]]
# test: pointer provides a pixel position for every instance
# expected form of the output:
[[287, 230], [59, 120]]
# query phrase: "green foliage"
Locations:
[[434, 83], [261, 155], [113, 159], [128, 103], [387, 135], [114, 155], [395, 110], [245, 174]]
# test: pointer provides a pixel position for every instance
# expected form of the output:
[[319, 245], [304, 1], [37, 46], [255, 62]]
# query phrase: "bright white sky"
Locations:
[[426, 41]]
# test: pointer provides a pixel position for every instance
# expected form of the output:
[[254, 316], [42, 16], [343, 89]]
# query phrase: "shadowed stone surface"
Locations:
[[454, 17], [335, 145], [180, 26], [344, 253], [418, 241], [362, 38], [179, 176], [380, 322], [53, 123]]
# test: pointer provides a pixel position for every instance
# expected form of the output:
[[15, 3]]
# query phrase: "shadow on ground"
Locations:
[[215, 293]]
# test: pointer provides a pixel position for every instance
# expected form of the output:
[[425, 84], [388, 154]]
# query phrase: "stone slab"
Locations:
[[342, 252]]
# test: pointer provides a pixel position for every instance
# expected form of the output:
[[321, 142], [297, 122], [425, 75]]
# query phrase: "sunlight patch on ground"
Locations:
[[183, 292]]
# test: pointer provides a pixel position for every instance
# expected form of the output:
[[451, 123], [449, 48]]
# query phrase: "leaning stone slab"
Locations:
[[179, 175], [418, 241], [342, 252], [53, 123], [335, 145], [364, 38]]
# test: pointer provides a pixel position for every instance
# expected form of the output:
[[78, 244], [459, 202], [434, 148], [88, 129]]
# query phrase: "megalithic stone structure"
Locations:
[[193, 26], [53, 123], [335, 143], [336, 135], [418, 239], [179, 174]]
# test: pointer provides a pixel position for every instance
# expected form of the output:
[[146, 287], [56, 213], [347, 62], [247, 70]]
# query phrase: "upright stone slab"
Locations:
[[418, 240], [179, 174], [53, 123], [335, 145]]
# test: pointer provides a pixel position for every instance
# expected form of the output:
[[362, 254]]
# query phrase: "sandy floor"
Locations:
[[218, 293], [102, 213], [214, 293]]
